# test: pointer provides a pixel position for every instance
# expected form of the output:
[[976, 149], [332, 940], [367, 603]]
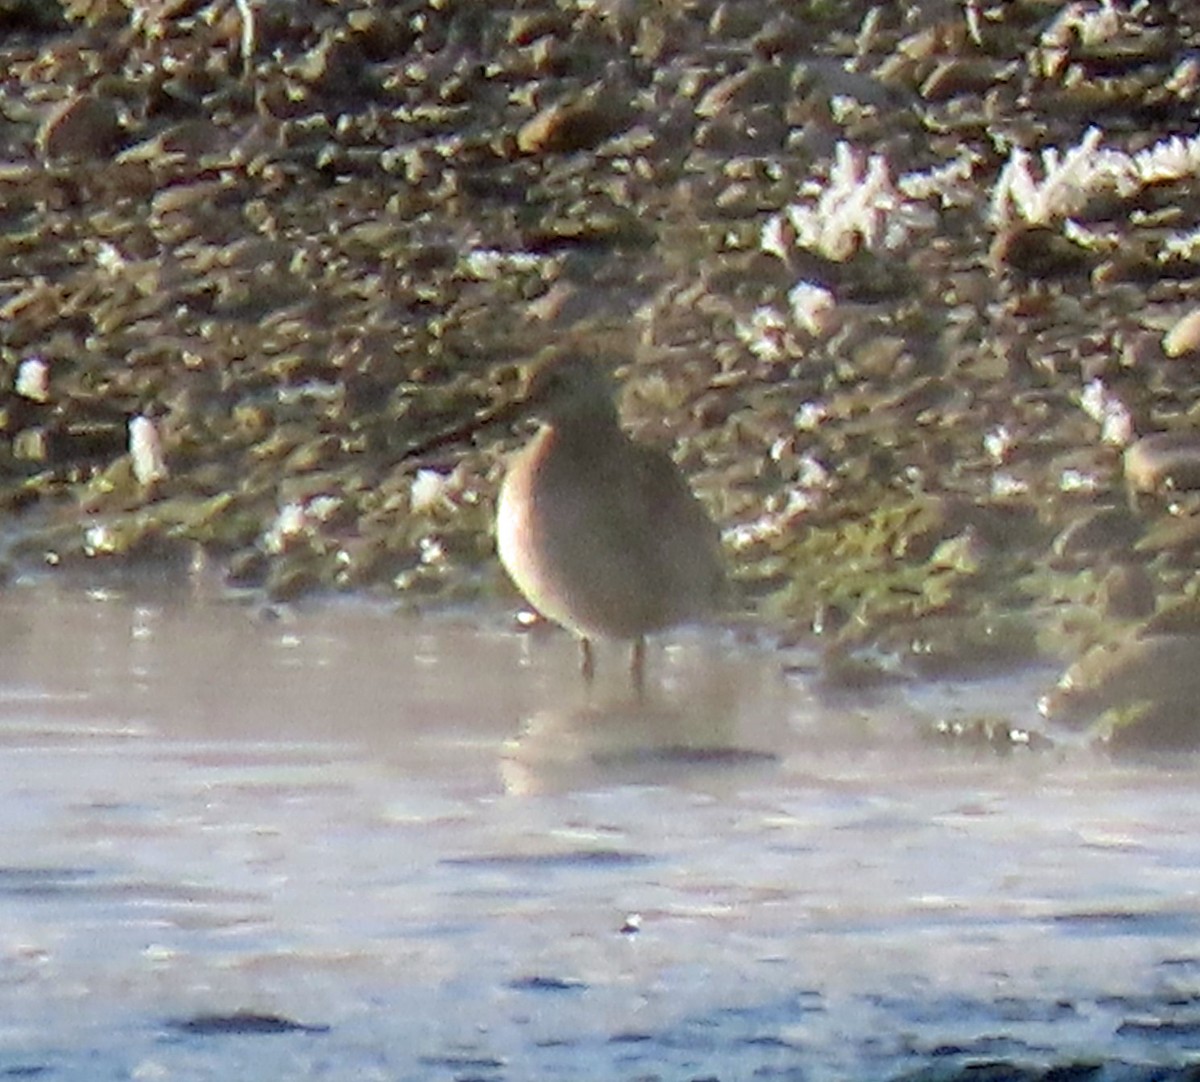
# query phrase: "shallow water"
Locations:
[[337, 842]]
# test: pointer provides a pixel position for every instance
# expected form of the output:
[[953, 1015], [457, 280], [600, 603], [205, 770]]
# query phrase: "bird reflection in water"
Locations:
[[686, 728]]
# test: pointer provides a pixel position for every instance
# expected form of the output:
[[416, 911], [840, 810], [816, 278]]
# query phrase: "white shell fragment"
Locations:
[[33, 379], [428, 491], [145, 449]]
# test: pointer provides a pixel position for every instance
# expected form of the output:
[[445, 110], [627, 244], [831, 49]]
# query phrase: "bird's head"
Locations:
[[568, 386]]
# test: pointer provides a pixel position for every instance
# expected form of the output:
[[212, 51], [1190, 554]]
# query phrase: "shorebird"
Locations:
[[601, 534]]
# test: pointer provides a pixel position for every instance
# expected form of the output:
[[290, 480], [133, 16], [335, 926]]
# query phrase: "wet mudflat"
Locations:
[[337, 842]]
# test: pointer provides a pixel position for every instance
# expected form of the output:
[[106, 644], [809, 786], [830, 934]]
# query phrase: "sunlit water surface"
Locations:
[[337, 842]]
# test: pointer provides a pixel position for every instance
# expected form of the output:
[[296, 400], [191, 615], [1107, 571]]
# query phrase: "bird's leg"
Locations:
[[637, 666], [587, 661]]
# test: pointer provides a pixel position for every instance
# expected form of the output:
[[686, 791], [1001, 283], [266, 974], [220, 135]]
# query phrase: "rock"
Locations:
[[1183, 339], [83, 126], [1098, 530], [1164, 460], [567, 126], [1127, 593], [1150, 672]]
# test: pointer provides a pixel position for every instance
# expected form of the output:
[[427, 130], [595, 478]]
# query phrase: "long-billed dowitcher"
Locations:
[[601, 534]]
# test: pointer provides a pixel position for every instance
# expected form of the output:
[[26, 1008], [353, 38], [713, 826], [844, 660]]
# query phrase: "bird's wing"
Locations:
[[682, 541]]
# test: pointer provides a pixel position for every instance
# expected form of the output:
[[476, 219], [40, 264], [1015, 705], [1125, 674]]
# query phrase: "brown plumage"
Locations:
[[601, 534]]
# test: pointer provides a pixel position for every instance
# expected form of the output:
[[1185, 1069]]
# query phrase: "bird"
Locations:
[[601, 534]]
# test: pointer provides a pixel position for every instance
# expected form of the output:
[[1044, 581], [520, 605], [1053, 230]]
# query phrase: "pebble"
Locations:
[[1183, 339], [1163, 460], [83, 126]]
